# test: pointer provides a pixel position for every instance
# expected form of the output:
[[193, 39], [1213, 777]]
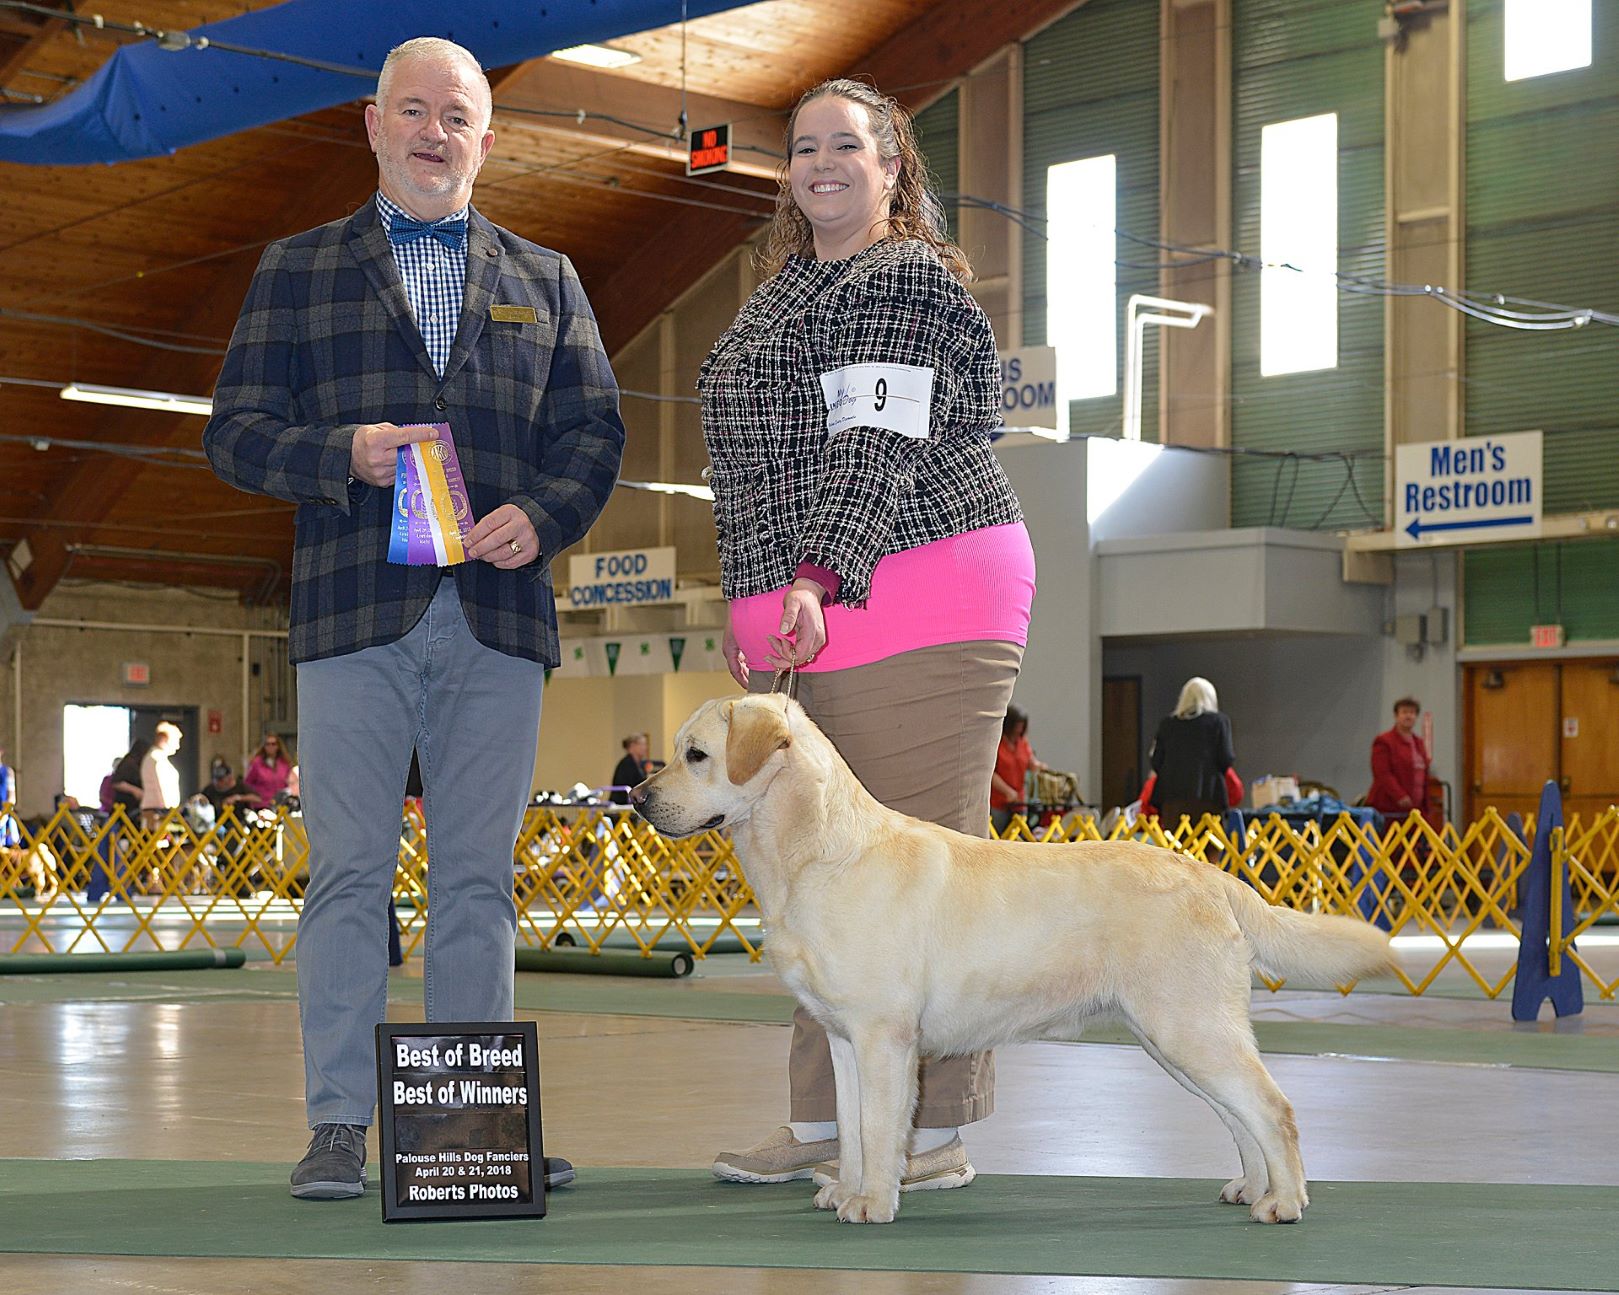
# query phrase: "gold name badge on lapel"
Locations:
[[514, 314]]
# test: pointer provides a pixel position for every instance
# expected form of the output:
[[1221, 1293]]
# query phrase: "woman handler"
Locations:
[[867, 534]]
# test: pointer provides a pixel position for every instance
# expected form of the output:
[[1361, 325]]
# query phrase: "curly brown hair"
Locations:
[[914, 211]]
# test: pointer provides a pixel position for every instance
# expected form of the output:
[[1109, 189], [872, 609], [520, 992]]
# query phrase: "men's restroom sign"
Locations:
[[1029, 399], [460, 1121], [1470, 490]]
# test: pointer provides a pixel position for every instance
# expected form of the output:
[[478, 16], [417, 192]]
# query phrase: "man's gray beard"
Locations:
[[401, 180]]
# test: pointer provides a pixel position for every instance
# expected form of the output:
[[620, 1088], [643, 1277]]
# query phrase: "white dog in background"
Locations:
[[907, 939]]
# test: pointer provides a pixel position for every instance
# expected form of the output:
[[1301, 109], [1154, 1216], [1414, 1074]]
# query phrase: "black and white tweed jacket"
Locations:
[[786, 490]]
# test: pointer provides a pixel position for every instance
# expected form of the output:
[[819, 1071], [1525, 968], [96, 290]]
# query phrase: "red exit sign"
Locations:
[[1546, 636], [709, 149]]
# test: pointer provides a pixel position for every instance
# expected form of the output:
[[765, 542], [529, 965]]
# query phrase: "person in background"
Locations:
[[268, 771], [1190, 756], [226, 791], [108, 791], [160, 780], [107, 845], [126, 779], [1014, 761], [1400, 764], [632, 768], [10, 832], [868, 536]]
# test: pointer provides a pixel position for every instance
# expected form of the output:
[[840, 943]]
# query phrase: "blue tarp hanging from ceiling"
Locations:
[[146, 101]]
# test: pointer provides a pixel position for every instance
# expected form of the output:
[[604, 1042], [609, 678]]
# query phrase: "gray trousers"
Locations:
[[919, 730], [473, 714]]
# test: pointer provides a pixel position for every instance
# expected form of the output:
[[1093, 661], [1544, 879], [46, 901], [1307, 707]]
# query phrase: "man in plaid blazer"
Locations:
[[415, 310]]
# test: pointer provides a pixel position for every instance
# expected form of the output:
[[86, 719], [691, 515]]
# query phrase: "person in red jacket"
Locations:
[[1400, 764], [1014, 759]]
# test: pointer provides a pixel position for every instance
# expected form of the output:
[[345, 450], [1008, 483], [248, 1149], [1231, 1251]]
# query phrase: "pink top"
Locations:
[[969, 587], [267, 781]]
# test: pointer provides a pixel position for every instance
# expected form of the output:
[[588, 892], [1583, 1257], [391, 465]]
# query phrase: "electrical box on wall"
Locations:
[[1436, 626], [1412, 628]]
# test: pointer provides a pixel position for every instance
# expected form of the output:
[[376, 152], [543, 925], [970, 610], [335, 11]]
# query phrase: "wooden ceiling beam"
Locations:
[[923, 60], [89, 489], [22, 34], [608, 101]]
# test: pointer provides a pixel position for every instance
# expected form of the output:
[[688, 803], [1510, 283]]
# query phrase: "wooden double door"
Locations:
[[1530, 721]]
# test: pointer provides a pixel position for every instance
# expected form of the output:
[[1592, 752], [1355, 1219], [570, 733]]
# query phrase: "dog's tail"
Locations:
[[1322, 949]]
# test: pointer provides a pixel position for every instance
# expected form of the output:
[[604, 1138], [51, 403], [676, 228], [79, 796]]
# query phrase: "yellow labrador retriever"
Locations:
[[907, 939]]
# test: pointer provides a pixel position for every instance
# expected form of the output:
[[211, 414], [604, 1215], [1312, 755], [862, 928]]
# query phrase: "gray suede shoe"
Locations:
[[333, 1168]]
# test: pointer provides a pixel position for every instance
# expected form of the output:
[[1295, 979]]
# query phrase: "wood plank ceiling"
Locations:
[[131, 275]]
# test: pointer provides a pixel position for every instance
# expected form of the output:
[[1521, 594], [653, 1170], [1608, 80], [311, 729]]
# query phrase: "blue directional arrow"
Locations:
[[1418, 529]]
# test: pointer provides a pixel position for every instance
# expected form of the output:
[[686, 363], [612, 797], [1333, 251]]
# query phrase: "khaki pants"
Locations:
[[920, 731]]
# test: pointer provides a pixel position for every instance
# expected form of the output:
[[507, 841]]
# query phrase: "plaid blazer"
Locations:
[[326, 341]]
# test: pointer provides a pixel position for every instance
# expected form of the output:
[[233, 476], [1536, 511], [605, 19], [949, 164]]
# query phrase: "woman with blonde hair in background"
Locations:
[[1190, 756], [269, 770], [868, 538]]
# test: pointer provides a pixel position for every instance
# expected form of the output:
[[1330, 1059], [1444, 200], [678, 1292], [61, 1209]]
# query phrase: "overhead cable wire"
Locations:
[[1547, 317], [121, 335]]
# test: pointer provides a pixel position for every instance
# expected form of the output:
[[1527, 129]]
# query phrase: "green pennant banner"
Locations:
[[613, 650], [677, 649]]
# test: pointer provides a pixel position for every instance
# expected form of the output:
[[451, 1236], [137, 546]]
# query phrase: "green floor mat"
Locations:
[[1372, 1233]]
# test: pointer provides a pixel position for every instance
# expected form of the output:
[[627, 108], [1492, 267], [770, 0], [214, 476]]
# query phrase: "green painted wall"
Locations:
[[1090, 86], [1296, 60], [1542, 173], [938, 134], [1508, 589]]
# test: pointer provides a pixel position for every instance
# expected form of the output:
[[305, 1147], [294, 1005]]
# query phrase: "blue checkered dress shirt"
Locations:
[[435, 279]]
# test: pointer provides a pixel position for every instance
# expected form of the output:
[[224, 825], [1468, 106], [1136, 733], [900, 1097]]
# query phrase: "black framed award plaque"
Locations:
[[459, 1121]]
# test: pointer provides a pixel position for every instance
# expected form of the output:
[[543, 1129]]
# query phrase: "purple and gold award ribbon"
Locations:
[[431, 515]]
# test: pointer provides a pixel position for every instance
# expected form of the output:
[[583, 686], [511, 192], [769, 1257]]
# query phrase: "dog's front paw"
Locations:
[[866, 1208], [832, 1196], [1239, 1191], [1275, 1208]]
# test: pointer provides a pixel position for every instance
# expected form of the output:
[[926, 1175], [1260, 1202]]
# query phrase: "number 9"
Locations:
[[882, 394]]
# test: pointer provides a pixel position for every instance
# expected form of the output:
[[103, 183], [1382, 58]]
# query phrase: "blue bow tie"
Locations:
[[452, 233]]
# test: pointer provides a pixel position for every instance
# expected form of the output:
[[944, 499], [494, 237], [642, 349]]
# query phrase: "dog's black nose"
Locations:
[[638, 795]]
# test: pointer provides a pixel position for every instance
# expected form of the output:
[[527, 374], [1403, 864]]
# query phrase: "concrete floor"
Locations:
[[223, 1081]]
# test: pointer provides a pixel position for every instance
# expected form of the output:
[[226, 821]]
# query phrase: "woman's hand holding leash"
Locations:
[[803, 626]]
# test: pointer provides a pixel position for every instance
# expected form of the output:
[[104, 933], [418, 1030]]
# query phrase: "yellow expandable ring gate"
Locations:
[[82, 883]]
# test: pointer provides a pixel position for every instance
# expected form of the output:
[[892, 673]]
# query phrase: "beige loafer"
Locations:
[[780, 1158], [932, 1171]]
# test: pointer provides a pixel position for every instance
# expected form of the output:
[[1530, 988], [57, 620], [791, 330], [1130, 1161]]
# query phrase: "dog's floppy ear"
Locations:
[[757, 732]]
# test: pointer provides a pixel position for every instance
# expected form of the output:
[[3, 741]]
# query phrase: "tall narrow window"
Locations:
[[1298, 227], [1082, 304], [1544, 36]]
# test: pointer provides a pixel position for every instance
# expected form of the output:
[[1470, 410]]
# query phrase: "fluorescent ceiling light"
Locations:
[[596, 56], [132, 398]]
